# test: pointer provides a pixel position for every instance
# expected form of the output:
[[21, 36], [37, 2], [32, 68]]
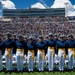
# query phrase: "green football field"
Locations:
[[36, 72], [39, 73], [46, 72]]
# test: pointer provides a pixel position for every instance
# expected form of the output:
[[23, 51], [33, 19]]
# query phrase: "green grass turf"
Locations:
[[39, 73]]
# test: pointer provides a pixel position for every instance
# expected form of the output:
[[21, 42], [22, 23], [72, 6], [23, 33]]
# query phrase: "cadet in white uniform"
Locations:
[[61, 52], [51, 52], [31, 53], [71, 51], [1, 65], [41, 47], [8, 45], [20, 52]]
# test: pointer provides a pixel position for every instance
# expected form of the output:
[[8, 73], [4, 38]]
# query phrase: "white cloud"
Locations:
[[74, 6], [70, 13], [8, 4], [70, 9], [61, 4], [38, 5]]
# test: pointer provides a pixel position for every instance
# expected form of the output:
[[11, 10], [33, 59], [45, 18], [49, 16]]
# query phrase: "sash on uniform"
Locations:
[[18, 49], [73, 49], [51, 48], [43, 53], [63, 49], [23, 53], [9, 52], [21, 50], [74, 52], [32, 51]]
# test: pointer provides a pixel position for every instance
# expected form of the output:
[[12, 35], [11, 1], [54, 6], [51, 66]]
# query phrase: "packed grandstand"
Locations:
[[36, 25]]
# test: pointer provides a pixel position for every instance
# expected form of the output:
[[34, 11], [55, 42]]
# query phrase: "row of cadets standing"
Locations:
[[50, 45]]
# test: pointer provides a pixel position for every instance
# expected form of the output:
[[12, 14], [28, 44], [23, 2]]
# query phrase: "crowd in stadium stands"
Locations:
[[37, 26]]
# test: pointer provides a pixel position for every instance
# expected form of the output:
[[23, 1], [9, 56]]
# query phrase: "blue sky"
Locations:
[[28, 3]]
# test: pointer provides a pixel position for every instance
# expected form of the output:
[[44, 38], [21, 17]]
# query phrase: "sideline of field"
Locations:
[[39, 73]]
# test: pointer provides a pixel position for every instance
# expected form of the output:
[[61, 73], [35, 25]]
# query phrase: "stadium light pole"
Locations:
[[66, 11]]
